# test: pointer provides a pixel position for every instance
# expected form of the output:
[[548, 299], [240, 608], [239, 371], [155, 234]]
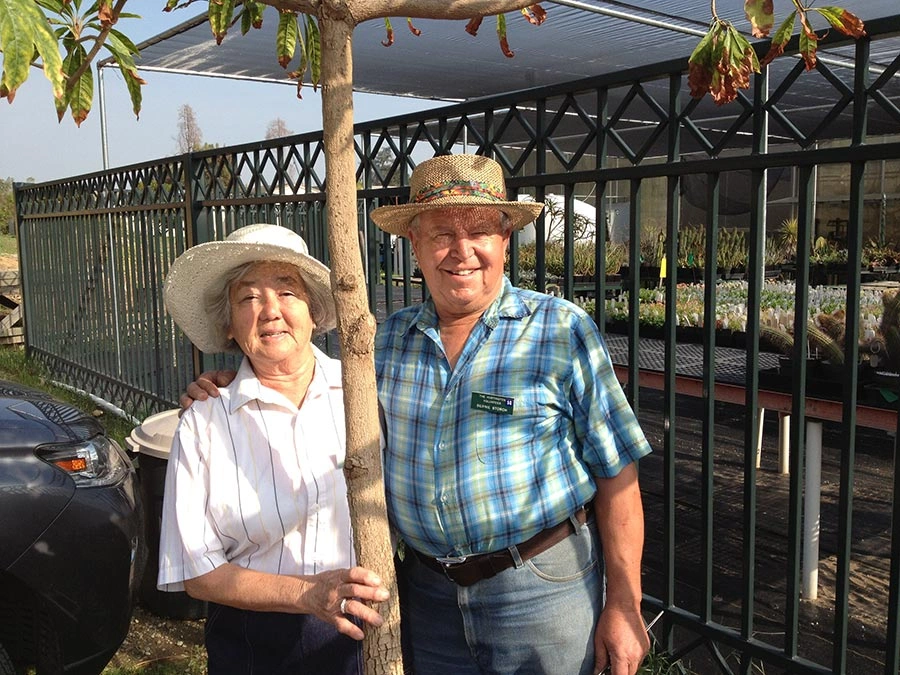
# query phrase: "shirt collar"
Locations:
[[507, 305], [246, 387]]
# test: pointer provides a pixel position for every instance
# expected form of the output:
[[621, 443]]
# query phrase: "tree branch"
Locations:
[[363, 10], [98, 44]]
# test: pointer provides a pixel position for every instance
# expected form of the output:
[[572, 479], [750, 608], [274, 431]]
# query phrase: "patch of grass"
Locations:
[[659, 663], [14, 366], [8, 245]]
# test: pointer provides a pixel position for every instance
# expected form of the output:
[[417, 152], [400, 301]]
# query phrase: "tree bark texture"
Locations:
[[364, 10], [356, 327]]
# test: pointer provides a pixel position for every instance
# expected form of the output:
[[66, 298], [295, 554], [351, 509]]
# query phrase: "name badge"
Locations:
[[499, 405]]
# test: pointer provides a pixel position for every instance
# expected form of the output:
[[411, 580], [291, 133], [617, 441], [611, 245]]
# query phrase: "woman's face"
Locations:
[[270, 319]]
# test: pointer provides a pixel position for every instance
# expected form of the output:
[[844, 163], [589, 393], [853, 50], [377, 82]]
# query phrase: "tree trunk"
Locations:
[[356, 327]]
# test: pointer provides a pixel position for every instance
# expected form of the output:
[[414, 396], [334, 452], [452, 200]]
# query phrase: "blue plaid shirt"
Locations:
[[487, 454]]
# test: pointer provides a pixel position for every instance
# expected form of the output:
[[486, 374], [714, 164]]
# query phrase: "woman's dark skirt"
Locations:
[[243, 642]]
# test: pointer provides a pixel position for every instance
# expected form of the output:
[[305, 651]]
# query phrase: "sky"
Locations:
[[36, 146]]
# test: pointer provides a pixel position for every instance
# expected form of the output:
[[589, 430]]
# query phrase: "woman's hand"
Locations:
[[337, 595], [205, 386]]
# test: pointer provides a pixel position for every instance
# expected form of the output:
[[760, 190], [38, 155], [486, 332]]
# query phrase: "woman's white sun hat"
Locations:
[[198, 274], [455, 181]]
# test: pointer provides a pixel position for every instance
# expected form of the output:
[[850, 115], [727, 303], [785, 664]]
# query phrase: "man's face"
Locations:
[[461, 253]]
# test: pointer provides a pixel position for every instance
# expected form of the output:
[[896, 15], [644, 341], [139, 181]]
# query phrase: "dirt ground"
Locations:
[[153, 640]]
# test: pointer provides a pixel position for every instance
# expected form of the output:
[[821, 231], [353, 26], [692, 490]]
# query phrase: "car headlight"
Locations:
[[93, 463]]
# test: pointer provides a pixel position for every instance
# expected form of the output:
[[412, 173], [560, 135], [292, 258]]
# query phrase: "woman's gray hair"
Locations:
[[218, 303]]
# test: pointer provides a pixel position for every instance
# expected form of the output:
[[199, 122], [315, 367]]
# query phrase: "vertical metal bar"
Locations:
[[752, 425], [601, 209], [634, 285], [892, 643], [191, 207], [600, 250], [709, 395], [569, 241], [540, 168], [673, 223], [805, 183], [851, 368]]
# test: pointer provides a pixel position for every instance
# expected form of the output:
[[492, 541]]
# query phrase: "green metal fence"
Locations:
[[649, 161]]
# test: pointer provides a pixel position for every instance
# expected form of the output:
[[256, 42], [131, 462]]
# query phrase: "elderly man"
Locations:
[[510, 452], [509, 447]]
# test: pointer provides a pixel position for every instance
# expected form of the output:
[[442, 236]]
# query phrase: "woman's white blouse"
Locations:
[[255, 481]]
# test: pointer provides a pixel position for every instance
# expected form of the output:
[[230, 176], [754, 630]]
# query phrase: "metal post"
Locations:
[[101, 98], [784, 443], [811, 504]]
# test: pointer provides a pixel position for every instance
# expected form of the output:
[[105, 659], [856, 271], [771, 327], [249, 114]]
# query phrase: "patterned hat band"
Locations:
[[460, 188]]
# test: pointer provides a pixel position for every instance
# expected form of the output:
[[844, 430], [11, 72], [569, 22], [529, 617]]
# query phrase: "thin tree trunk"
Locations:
[[356, 327]]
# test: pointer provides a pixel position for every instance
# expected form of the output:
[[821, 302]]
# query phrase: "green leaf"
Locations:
[[134, 83], [24, 29], [808, 44], [780, 39], [80, 92], [313, 50], [220, 13], [119, 51], [844, 21], [286, 38], [761, 16], [54, 6], [501, 34], [125, 41], [702, 53]]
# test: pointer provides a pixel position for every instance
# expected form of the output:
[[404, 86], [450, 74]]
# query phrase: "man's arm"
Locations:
[[621, 640], [205, 386]]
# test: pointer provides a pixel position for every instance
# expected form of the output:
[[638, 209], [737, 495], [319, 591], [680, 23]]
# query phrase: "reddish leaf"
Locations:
[[412, 29], [761, 15], [389, 40], [501, 33], [535, 14], [844, 21], [105, 13], [473, 25], [699, 79], [804, 23], [808, 44]]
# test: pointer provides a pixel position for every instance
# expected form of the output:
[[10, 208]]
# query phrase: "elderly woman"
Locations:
[[255, 517]]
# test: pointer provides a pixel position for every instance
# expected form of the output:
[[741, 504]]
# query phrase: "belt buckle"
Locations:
[[449, 562]]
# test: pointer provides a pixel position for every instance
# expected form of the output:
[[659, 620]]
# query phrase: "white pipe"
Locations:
[[784, 443], [101, 97], [811, 505], [625, 16]]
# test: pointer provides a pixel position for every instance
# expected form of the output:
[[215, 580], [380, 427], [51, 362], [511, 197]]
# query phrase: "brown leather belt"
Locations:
[[474, 568]]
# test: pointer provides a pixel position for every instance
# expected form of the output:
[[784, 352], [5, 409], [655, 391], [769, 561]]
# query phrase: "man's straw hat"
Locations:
[[451, 181], [198, 274]]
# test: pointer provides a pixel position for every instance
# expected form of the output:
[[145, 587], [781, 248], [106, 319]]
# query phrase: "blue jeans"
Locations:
[[537, 618]]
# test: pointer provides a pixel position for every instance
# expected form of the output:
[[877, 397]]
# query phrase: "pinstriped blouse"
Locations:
[[257, 482], [482, 456]]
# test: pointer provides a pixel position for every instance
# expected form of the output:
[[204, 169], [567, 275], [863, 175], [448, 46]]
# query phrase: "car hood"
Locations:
[[30, 418]]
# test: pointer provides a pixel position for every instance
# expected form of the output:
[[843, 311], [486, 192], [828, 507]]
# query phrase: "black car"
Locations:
[[71, 537]]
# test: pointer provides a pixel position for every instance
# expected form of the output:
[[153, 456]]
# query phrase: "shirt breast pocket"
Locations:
[[515, 439]]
